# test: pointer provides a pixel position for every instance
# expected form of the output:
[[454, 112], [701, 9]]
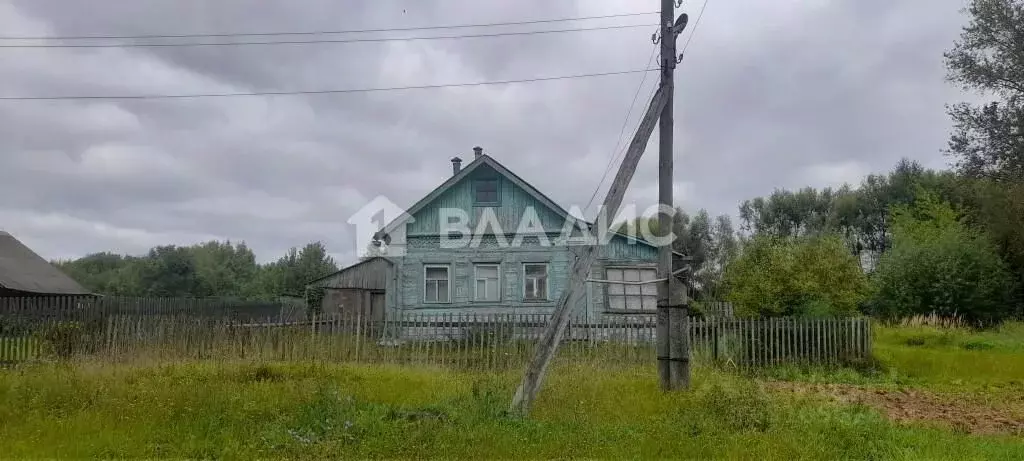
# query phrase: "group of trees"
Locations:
[[914, 241], [946, 242], [211, 269]]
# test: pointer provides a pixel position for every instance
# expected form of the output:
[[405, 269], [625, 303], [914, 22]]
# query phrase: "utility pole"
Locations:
[[672, 317], [585, 256], [660, 105]]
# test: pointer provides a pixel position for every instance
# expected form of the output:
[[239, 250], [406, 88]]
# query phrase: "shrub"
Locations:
[[796, 277], [939, 266]]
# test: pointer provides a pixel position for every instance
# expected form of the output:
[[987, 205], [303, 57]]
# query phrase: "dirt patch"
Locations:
[[913, 405]]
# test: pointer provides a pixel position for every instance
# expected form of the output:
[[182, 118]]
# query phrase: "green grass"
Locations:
[[945, 360], [222, 410]]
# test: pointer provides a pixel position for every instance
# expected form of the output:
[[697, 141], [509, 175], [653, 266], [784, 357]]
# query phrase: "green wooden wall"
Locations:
[[514, 203], [423, 247]]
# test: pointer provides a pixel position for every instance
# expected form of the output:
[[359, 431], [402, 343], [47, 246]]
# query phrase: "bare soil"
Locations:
[[914, 405]]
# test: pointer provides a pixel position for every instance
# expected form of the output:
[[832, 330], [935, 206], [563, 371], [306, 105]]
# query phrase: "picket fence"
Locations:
[[99, 331]]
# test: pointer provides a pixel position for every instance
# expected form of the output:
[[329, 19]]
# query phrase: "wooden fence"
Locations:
[[114, 330]]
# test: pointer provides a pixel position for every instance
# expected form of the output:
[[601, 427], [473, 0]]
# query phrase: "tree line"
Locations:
[[211, 269], [912, 241]]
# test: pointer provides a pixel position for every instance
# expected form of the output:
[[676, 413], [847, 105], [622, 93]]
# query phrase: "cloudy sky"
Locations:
[[774, 94]]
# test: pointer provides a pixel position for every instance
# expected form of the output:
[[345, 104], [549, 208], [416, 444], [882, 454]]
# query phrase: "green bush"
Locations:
[[809, 277], [938, 265], [63, 339]]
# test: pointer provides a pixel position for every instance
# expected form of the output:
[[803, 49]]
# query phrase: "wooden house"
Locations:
[[510, 252]]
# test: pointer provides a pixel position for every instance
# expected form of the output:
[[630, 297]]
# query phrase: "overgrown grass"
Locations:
[[222, 410]]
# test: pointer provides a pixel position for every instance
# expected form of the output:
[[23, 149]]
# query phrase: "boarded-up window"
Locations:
[[535, 282], [436, 287], [486, 282], [632, 297]]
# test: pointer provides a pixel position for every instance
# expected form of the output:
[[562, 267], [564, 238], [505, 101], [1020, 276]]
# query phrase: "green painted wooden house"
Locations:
[[486, 241]]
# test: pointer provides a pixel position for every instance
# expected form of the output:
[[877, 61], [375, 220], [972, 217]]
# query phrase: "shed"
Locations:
[[360, 289], [23, 273]]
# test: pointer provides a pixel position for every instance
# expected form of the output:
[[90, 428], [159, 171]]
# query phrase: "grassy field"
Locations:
[[240, 410]]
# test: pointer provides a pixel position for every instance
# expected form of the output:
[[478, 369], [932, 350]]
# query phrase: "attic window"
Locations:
[[485, 192]]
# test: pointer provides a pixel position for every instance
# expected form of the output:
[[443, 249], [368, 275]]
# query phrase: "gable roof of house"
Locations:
[[21, 269], [479, 162]]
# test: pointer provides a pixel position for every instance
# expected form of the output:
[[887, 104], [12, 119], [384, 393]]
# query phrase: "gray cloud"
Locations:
[[771, 94]]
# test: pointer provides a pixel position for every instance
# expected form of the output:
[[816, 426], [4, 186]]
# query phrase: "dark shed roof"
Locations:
[[369, 274], [23, 270]]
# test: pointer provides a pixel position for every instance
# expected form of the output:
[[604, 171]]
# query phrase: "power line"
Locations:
[[323, 32], [622, 130], [696, 24], [314, 92], [306, 42], [616, 153]]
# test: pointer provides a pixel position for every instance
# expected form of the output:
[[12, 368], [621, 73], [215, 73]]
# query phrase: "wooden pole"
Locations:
[[670, 359], [673, 341], [585, 256]]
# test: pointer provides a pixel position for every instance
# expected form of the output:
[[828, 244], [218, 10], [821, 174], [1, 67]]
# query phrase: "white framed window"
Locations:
[[632, 297], [437, 286], [535, 282], [486, 282]]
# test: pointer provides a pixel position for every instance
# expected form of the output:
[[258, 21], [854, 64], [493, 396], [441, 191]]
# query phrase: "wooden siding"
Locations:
[[625, 249], [425, 250], [377, 274], [514, 201], [422, 247]]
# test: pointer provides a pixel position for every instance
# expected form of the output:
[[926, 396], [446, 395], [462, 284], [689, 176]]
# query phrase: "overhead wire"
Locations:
[[696, 24], [321, 41], [318, 92], [321, 32], [622, 131], [617, 153]]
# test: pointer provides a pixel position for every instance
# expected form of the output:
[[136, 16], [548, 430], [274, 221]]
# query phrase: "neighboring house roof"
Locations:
[[349, 267], [480, 161], [23, 270]]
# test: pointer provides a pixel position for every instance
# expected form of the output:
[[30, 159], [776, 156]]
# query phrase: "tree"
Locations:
[[224, 269], [939, 265], [291, 273], [790, 214], [210, 269], [169, 271], [810, 276], [988, 140], [998, 209]]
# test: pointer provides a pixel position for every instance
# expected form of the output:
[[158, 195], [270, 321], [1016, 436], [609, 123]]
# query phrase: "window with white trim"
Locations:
[[632, 297], [535, 282], [436, 284], [486, 282]]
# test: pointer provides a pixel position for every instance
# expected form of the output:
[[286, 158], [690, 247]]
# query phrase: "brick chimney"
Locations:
[[456, 165], [477, 152]]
